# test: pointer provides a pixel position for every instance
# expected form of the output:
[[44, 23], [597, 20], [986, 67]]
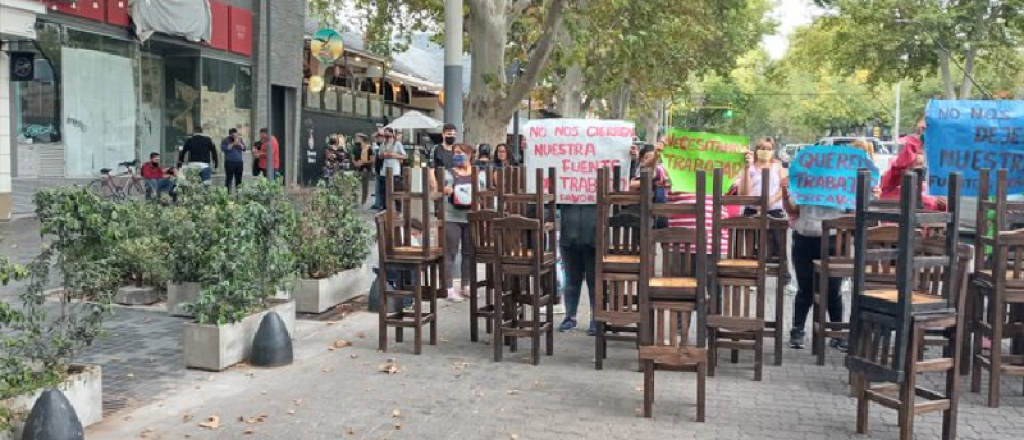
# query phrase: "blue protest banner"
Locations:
[[826, 175], [968, 136]]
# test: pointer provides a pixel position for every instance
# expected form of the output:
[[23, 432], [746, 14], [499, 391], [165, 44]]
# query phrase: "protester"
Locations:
[[458, 187], [256, 170], [807, 236], [337, 159], [634, 161], [501, 157], [750, 183], [233, 148], [443, 156], [362, 151], [201, 154], [157, 180], [391, 154], [650, 160], [483, 156], [269, 148], [578, 250], [912, 157]]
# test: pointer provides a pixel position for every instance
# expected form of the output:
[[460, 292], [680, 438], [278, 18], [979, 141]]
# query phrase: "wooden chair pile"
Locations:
[[738, 285], [481, 225], [889, 326], [420, 269], [670, 299], [525, 264], [997, 308], [617, 269]]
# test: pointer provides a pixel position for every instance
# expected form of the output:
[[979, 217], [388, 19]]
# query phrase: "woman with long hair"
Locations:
[[458, 187]]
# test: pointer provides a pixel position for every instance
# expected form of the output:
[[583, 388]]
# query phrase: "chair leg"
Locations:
[[949, 416], [648, 387], [860, 385], [977, 336], [702, 379], [820, 321], [996, 353], [599, 346], [432, 288], [759, 356], [908, 389], [712, 351], [498, 339], [382, 312], [417, 315], [780, 307], [474, 310], [549, 308], [489, 294]]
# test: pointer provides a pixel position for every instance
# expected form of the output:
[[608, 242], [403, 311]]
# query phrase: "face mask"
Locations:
[[764, 155], [459, 160], [449, 140]]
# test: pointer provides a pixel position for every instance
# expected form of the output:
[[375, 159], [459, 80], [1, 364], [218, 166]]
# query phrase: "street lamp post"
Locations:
[[271, 172]]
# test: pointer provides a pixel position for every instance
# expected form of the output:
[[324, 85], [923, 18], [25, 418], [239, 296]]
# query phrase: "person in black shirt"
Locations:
[[201, 153], [379, 169], [444, 156]]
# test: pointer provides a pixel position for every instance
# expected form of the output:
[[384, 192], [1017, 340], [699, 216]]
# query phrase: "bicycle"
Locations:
[[107, 185]]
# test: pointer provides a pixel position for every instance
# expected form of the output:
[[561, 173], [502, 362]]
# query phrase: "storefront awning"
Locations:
[[413, 81]]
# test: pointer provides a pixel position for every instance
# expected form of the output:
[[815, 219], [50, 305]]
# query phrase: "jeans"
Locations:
[[379, 194], [156, 186], [805, 251], [579, 265], [775, 238], [455, 233], [365, 176], [233, 172]]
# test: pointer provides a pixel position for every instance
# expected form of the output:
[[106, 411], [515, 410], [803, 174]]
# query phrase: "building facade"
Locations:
[[100, 96]]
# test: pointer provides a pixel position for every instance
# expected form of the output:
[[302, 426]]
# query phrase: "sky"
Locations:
[[790, 14]]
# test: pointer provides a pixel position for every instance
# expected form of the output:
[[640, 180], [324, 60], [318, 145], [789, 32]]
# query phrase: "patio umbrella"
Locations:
[[414, 120]]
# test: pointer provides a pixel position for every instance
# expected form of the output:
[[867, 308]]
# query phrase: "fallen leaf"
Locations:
[[355, 356], [211, 378], [395, 413], [298, 402], [332, 323], [398, 426], [514, 436], [340, 343], [146, 432], [249, 430], [389, 367], [327, 369], [361, 335], [350, 431], [186, 418], [291, 412], [213, 422], [513, 392]]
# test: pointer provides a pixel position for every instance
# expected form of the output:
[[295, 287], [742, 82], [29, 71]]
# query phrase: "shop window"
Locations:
[[37, 103], [223, 105]]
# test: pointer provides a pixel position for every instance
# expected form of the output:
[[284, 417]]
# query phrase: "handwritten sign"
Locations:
[[826, 175], [576, 148], [686, 152], [967, 136]]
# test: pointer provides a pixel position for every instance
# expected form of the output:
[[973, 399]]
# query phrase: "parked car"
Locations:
[[883, 155]]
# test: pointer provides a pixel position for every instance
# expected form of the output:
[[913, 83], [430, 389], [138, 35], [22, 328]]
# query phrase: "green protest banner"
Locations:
[[686, 152]]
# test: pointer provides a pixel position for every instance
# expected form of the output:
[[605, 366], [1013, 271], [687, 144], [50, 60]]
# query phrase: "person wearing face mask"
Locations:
[[750, 184], [458, 187], [443, 154]]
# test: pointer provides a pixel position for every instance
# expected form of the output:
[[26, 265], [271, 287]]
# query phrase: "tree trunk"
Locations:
[[652, 122], [620, 103], [487, 32], [572, 92], [967, 88], [947, 79]]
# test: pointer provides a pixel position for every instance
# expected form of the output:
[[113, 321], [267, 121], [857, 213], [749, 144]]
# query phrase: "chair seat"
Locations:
[[738, 264], [891, 295], [417, 250], [622, 259], [1010, 280], [678, 283], [674, 355]]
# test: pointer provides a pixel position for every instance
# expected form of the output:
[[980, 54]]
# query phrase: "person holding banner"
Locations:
[[458, 187], [749, 183], [912, 157]]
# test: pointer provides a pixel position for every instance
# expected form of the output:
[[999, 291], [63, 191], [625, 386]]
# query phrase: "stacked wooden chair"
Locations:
[[998, 281], [889, 326], [738, 283], [420, 268], [617, 269], [669, 300], [525, 270], [481, 226], [778, 268]]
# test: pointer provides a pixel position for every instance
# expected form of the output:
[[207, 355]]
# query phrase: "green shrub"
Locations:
[[332, 237]]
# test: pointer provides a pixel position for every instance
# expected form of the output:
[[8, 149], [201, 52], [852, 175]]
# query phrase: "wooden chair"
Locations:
[[668, 301], [888, 326], [998, 283], [778, 268], [738, 281], [617, 269], [525, 270], [420, 268], [481, 218]]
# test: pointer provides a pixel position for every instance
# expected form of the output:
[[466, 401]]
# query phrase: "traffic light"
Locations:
[[728, 114]]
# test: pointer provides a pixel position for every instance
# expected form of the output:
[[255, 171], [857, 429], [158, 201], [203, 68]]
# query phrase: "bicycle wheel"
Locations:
[[102, 188], [134, 189]]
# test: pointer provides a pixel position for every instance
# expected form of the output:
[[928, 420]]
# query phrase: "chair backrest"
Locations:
[[481, 230], [1008, 257], [514, 241], [670, 324], [398, 224], [485, 198], [748, 236], [994, 215], [618, 218], [678, 245]]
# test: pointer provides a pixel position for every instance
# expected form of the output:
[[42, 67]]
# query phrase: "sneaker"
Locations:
[[796, 341], [567, 324], [454, 295], [840, 344], [592, 331]]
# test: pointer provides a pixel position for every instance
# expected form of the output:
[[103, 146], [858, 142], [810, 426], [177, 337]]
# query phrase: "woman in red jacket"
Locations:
[[912, 157]]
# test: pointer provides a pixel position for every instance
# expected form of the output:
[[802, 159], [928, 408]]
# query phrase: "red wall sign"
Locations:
[[91, 9], [117, 12], [221, 25], [241, 31]]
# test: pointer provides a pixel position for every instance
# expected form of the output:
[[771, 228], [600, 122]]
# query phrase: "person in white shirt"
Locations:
[[392, 154]]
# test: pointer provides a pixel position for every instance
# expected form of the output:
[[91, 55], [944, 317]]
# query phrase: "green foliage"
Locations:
[[332, 237], [242, 250]]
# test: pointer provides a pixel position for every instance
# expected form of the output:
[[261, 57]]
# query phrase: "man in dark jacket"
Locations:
[[201, 153], [577, 245]]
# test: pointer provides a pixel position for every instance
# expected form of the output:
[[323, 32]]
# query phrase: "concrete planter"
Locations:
[[137, 296], [319, 295], [83, 389], [215, 348], [179, 294]]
